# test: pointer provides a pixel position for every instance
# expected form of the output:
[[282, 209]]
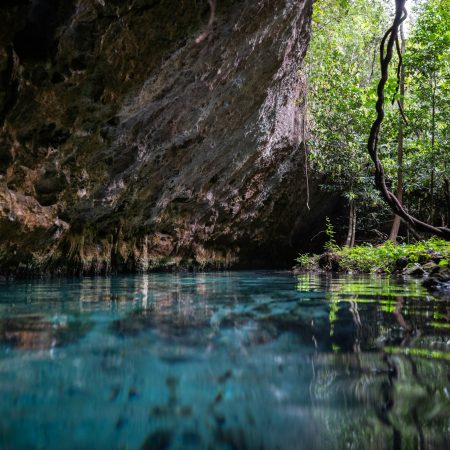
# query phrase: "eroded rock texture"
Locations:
[[126, 145]]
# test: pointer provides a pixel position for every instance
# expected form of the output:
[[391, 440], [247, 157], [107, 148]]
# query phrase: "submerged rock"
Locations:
[[439, 280], [158, 440], [126, 145]]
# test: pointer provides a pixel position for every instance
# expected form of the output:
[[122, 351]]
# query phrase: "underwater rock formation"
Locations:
[[126, 145]]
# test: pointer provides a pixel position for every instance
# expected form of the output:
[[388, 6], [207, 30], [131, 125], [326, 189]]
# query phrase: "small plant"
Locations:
[[330, 245], [304, 261]]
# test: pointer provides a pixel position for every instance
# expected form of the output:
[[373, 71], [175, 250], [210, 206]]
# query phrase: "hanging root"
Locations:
[[212, 15], [386, 52]]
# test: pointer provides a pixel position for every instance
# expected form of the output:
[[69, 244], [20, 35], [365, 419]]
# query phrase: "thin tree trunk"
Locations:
[[415, 234], [447, 198], [352, 244], [350, 241], [395, 228], [401, 103], [433, 140]]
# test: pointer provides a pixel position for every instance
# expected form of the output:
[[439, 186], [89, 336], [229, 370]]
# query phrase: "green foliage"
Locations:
[[368, 258], [330, 245], [343, 73], [342, 91], [383, 258], [427, 67], [306, 261]]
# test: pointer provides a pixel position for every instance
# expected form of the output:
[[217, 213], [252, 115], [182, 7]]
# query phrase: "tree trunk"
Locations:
[[447, 199], [395, 228], [433, 140], [350, 241], [401, 102], [386, 51]]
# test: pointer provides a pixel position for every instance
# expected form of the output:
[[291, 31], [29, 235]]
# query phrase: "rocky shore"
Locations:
[[428, 260]]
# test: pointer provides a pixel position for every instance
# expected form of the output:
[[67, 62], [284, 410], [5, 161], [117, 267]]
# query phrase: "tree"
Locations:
[[414, 143], [341, 92], [427, 64], [386, 53], [401, 105]]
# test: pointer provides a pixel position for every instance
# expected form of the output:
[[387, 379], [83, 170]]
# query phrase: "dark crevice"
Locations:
[[9, 85], [36, 41]]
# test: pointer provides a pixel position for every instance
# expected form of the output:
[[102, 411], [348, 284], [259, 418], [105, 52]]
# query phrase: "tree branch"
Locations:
[[386, 53]]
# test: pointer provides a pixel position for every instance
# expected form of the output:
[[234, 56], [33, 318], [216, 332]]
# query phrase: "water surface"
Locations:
[[238, 360]]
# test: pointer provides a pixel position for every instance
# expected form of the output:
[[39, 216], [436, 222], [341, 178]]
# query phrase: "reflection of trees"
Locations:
[[379, 401], [388, 398], [224, 348], [374, 313]]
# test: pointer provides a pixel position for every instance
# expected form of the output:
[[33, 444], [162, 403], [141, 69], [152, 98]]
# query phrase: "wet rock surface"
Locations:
[[125, 145], [439, 280]]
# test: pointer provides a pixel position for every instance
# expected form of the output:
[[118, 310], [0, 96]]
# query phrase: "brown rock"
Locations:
[[329, 261], [158, 147]]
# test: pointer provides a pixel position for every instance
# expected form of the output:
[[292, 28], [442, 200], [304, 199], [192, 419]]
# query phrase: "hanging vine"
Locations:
[[386, 53], [212, 16]]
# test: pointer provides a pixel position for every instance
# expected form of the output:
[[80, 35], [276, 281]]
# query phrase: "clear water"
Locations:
[[252, 360]]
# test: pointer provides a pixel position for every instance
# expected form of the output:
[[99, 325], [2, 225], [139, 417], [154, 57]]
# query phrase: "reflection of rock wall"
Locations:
[[124, 144], [36, 332]]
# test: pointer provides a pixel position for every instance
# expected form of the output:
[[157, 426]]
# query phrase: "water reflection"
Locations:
[[385, 335], [35, 332], [383, 314], [223, 360]]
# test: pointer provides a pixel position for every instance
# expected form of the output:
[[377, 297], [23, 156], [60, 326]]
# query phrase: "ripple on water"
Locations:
[[224, 360]]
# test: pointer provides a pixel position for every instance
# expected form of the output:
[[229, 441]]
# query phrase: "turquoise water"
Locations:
[[238, 360]]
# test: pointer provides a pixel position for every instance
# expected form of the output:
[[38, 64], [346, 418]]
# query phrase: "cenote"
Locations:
[[233, 360]]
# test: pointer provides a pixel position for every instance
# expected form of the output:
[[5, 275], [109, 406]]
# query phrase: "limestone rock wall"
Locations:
[[125, 145]]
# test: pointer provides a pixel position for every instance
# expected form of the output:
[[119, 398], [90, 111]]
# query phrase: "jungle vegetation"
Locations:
[[367, 53]]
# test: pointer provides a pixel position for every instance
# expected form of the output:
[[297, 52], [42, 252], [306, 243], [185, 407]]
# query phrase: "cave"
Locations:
[[204, 153]]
